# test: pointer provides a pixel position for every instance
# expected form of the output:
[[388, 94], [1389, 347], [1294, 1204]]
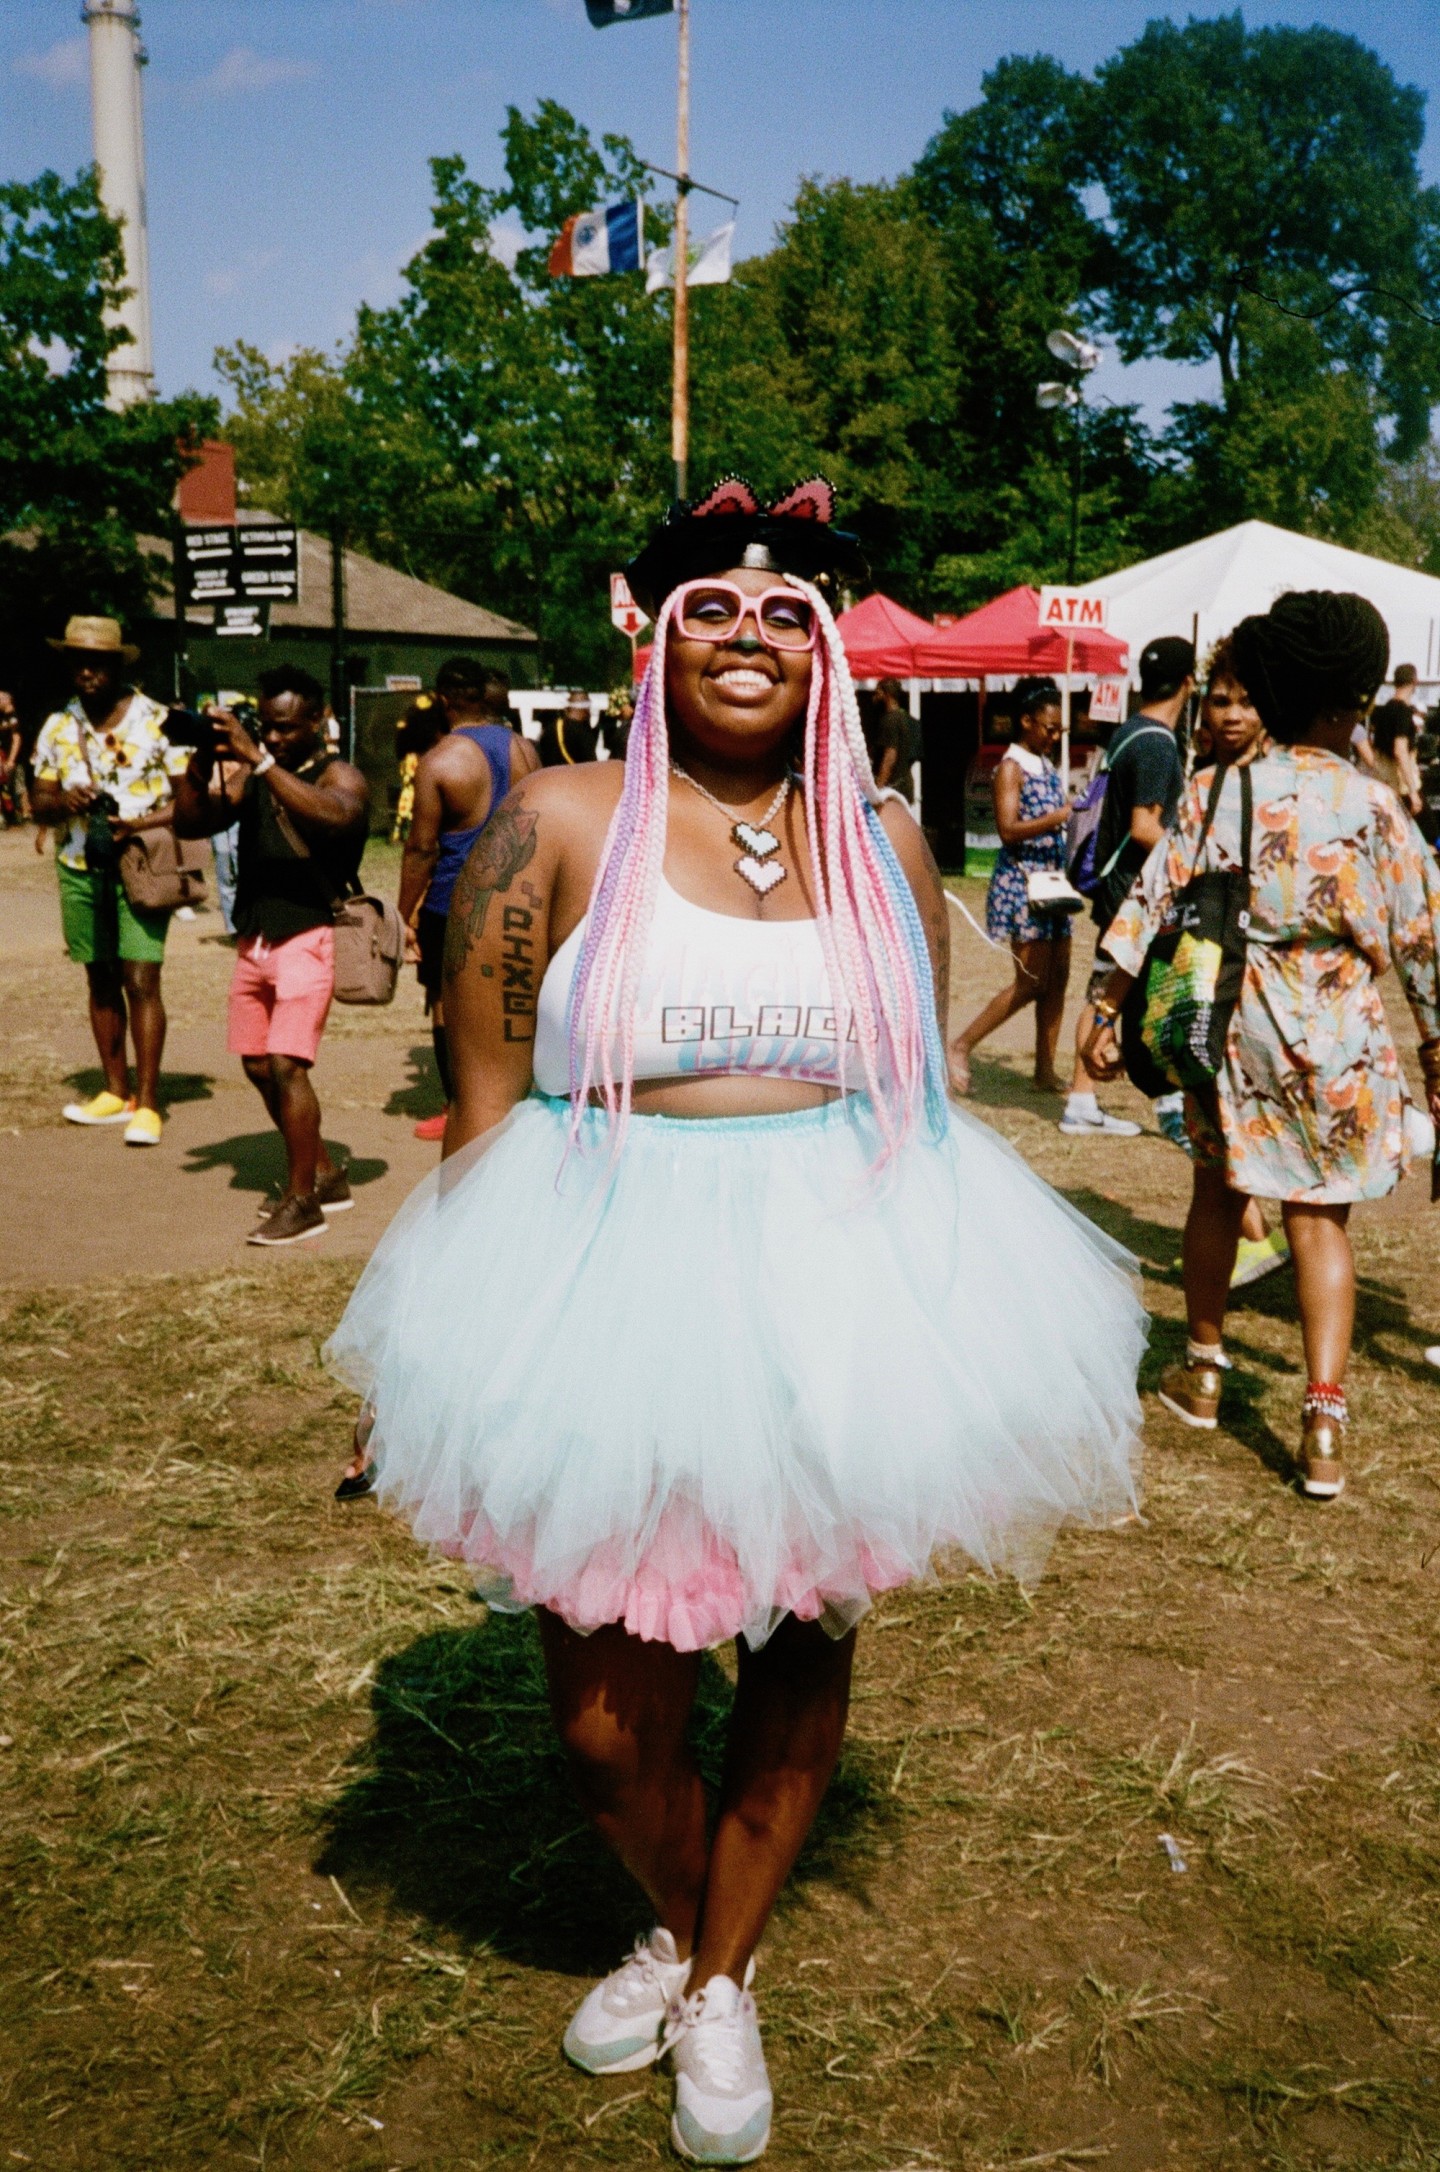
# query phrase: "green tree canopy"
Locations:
[[1211, 194], [78, 482]]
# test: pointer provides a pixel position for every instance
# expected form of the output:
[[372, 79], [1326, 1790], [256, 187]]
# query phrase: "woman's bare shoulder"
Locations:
[[581, 793]]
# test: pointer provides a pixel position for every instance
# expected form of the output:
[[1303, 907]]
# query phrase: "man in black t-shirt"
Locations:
[[1145, 779], [302, 818]]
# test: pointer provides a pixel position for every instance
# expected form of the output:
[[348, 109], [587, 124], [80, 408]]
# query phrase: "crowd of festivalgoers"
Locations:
[[694, 1096]]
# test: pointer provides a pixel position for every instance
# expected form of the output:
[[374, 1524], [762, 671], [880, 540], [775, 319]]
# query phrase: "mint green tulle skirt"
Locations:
[[736, 1374]]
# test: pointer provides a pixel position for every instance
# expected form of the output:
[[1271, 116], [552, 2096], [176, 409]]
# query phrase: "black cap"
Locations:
[[1165, 665]]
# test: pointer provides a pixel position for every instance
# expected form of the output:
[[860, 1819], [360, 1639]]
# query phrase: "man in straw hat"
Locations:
[[106, 753]]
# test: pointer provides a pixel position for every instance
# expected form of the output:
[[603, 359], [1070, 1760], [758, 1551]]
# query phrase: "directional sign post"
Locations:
[[252, 619], [256, 562], [625, 613]]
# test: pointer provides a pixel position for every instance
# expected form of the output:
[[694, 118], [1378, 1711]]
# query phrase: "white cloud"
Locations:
[[506, 242], [229, 278], [60, 67], [243, 70]]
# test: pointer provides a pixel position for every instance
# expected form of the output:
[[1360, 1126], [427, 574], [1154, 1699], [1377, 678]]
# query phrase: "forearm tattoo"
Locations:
[[506, 847]]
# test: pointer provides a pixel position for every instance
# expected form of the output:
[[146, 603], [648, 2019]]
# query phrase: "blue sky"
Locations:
[[287, 139]]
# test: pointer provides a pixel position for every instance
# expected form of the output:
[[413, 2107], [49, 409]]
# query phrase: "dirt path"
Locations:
[[81, 1204]]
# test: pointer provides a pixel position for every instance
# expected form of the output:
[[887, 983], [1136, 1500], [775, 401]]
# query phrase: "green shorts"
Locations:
[[138, 936]]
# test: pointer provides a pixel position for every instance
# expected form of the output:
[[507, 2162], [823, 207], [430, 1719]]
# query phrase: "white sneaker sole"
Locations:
[[275, 1244], [74, 1114], [720, 2153], [1186, 1417], [634, 2063], [1123, 1129], [1322, 1489], [338, 1206]]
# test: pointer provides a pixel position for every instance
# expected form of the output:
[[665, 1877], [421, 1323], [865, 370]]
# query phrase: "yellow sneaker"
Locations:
[[102, 1108], [143, 1128], [1258, 1257]]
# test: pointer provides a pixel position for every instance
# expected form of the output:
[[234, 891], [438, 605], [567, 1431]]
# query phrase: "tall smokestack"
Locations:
[[116, 58]]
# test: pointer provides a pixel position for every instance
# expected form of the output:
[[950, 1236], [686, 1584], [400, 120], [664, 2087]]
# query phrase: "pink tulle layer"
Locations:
[[686, 1589]]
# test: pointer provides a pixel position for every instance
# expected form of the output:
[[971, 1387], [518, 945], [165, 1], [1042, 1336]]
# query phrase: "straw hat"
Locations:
[[96, 637]]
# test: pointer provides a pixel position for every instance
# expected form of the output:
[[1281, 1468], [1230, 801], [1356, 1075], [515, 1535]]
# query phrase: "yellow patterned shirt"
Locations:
[[135, 763]]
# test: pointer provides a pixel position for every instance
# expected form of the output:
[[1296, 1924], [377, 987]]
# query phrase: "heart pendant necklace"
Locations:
[[756, 839]]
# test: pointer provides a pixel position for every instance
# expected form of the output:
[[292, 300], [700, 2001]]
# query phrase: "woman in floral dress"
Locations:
[[1309, 1107], [1031, 815]]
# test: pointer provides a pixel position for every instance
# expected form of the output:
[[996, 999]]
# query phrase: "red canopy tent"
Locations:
[[882, 639], [1005, 637]]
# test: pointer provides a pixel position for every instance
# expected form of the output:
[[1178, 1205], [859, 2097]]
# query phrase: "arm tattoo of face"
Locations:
[[505, 847]]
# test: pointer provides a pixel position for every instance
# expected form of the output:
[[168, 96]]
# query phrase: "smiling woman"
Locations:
[[767, 1342]]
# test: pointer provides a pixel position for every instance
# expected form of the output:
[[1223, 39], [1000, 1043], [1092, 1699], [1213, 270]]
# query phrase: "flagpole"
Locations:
[[680, 376]]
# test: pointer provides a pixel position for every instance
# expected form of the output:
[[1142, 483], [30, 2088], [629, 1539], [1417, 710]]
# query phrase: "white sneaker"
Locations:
[[1080, 1124], [723, 2099], [616, 2029]]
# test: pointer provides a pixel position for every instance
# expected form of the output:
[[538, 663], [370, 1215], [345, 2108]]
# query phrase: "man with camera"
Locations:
[[302, 815], [103, 772]]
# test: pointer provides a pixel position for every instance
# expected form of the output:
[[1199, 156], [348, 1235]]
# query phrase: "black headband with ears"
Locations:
[[712, 535]]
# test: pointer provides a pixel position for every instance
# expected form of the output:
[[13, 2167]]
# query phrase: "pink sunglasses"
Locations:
[[715, 611]]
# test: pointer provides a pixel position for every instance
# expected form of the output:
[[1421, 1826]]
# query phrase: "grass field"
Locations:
[[290, 1875]]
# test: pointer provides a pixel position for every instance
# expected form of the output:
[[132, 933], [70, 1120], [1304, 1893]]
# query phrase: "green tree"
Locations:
[[1252, 172], [79, 484]]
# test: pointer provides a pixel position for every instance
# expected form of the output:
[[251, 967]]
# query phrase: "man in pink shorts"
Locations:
[[303, 820]]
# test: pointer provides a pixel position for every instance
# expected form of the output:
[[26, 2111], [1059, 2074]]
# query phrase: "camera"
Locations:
[[101, 850]]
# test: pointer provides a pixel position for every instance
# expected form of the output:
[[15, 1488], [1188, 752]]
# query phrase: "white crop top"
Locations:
[[717, 995]]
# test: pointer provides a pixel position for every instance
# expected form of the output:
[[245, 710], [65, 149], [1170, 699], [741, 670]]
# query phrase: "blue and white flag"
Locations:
[[610, 240], [707, 261]]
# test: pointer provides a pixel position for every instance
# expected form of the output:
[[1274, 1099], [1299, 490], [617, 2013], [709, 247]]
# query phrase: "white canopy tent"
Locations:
[[1203, 589]]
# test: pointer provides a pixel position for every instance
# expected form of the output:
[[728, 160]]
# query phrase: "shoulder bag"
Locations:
[[369, 933], [1176, 1018], [158, 871]]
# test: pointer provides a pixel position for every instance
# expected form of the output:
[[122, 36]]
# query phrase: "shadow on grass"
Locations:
[[996, 1085], [175, 1086], [256, 1161], [461, 1810], [1155, 1244], [420, 1095]]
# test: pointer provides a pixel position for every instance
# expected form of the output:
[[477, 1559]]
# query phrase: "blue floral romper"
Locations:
[[1008, 914]]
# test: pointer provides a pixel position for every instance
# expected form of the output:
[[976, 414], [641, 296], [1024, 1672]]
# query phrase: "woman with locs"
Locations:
[[1031, 815], [717, 1319], [1310, 1104]]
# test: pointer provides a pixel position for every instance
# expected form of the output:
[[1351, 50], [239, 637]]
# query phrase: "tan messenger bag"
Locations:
[[159, 870], [369, 933]]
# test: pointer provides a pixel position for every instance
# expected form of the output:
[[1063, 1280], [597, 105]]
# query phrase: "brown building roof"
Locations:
[[378, 599]]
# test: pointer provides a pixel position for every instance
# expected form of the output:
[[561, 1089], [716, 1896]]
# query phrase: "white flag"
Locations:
[[708, 260]]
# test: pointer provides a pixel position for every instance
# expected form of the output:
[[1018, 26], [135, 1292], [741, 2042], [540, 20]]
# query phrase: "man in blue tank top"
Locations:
[[458, 786]]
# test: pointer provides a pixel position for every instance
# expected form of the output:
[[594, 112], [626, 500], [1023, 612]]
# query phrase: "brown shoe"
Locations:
[[292, 1221], [1322, 1472], [333, 1191], [332, 1194], [1192, 1393]]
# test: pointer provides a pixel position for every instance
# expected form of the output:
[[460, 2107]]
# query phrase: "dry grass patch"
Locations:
[[291, 1874]]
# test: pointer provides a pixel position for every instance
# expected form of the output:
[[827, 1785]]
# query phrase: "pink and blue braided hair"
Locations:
[[869, 928]]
